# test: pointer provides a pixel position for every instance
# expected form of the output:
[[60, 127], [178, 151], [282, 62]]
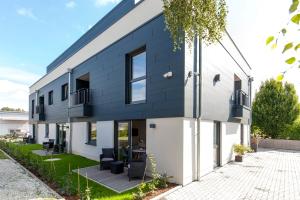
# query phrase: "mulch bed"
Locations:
[[160, 191]]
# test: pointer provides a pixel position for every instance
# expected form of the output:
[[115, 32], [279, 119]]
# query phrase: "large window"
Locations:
[[64, 92], [137, 77], [32, 109], [50, 98], [47, 131], [92, 133]]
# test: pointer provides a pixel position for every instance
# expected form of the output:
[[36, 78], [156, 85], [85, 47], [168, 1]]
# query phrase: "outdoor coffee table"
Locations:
[[117, 167]]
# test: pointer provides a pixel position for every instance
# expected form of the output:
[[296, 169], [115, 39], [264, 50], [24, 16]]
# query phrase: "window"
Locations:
[[32, 109], [136, 88], [47, 131], [50, 98], [92, 133], [64, 92]]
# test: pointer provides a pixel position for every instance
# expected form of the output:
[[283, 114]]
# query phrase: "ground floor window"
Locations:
[[92, 133]]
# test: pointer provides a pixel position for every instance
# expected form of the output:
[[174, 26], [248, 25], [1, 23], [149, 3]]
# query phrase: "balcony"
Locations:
[[40, 112], [241, 106], [81, 104]]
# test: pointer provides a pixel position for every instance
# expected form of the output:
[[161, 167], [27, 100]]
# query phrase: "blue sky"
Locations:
[[35, 32]]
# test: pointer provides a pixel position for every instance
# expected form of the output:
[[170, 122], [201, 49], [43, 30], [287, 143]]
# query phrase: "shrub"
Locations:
[[291, 132]]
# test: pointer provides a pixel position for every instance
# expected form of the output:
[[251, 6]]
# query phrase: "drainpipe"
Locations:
[[69, 107], [199, 104]]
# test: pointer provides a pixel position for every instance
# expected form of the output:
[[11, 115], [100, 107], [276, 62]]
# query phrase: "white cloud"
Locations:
[[14, 87], [70, 4], [100, 3], [27, 13], [13, 94]]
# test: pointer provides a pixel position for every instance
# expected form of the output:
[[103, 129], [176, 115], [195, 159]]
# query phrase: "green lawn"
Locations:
[[75, 162], [2, 155]]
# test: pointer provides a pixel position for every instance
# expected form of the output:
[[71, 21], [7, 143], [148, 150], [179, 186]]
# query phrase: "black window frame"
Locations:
[[32, 108], [50, 97], [90, 141], [129, 75], [64, 94], [46, 130]]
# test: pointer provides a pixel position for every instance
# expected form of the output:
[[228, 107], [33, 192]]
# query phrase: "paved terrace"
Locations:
[[268, 174]]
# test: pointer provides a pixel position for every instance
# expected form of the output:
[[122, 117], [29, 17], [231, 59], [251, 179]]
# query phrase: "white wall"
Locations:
[[171, 144], [7, 125], [40, 134], [105, 139]]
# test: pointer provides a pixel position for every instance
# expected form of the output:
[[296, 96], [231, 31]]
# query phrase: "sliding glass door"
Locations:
[[124, 141]]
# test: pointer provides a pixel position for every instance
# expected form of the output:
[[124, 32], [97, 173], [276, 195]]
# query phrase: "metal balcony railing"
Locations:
[[241, 98], [81, 96], [40, 109]]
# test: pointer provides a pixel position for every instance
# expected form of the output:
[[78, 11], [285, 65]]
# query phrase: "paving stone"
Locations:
[[266, 175]]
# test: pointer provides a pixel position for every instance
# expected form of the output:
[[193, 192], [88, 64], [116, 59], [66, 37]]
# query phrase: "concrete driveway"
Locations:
[[268, 174], [16, 183]]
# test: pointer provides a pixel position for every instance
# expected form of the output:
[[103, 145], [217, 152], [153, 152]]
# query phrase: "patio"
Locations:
[[116, 182]]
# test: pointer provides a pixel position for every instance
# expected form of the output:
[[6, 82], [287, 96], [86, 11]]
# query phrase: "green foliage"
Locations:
[[275, 106], [240, 149], [186, 19], [8, 109], [273, 41], [291, 132]]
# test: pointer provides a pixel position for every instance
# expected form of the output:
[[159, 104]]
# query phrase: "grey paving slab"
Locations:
[[266, 175], [116, 182]]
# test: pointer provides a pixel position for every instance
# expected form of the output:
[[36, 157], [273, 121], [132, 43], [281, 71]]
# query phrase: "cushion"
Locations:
[[107, 159]]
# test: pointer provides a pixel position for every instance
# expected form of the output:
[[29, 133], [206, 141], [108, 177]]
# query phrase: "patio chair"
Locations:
[[106, 158], [136, 168]]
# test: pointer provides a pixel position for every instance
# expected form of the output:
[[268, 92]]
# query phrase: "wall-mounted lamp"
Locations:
[[217, 78], [168, 75], [152, 125]]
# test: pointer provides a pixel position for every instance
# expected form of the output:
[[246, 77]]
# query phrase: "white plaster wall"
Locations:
[[165, 143], [189, 149], [206, 147], [230, 136], [7, 125], [52, 131], [246, 134], [40, 134], [105, 136]]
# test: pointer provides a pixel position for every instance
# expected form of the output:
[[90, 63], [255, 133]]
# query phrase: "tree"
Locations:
[[291, 47], [186, 19], [275, 107], [7, 109]]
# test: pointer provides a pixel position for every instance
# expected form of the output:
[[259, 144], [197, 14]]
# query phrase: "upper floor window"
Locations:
[[92, 133], [32, 109], [46, 130], [136, 77], [50, 98], [64, 92]]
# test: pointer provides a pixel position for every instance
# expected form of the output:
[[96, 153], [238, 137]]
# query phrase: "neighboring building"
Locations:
[[14, 122], [122, 85]]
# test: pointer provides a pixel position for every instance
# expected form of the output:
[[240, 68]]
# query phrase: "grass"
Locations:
[[75, 162], [2, 155]]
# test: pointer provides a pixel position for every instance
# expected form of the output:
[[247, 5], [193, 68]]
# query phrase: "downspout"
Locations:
[[69, 107], [199, 105]]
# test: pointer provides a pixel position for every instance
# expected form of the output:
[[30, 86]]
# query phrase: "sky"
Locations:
[[33, 33]]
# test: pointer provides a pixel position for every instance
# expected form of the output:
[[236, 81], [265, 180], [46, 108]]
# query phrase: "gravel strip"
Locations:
[[17, 183]]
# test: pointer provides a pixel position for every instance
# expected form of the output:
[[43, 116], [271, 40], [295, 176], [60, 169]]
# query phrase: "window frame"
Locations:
[[46, 130], [89, 134], [129, 75], [63, 95], [50, 97]]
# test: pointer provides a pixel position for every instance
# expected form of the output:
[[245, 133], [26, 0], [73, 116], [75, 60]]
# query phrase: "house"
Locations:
[[14, 123], [121, 85]]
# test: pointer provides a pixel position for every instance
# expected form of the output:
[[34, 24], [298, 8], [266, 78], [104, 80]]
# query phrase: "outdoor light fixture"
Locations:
[[217, 78], [152, 125], [168, 75]]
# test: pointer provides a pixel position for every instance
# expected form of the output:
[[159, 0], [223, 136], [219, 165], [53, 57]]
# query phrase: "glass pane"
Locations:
[[138, 91], [93, 132], [122, 140], [139, 65]]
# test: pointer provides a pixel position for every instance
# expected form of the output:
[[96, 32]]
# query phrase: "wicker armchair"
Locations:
[[107, 157], [136, 168]]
